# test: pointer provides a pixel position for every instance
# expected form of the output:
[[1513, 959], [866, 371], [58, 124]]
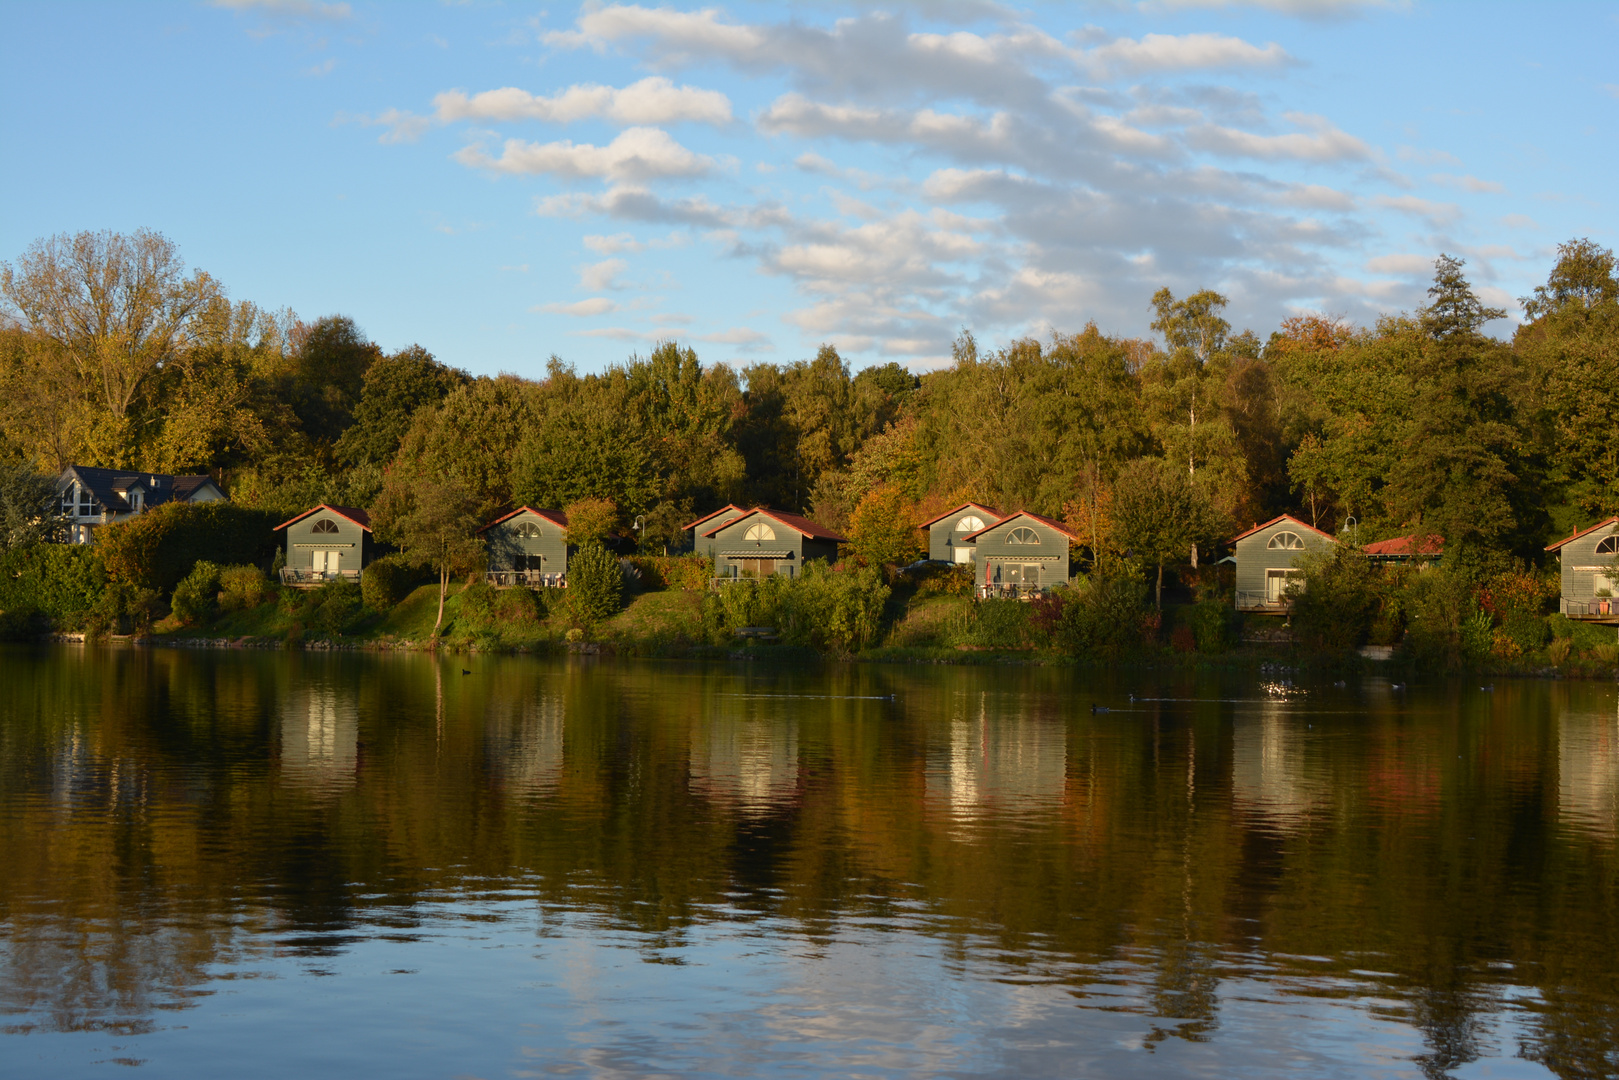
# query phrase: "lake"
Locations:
[[266, 864]]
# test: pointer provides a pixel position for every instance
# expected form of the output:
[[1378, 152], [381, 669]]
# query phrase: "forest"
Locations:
[[113, 354]]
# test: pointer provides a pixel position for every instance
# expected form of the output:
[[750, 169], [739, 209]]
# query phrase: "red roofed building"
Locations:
[[1401, 548], [1590, 564], [947, 533], [1268, 558], [528, 547], [1021, 555], [763, 542], [324, 543], [708, 523]]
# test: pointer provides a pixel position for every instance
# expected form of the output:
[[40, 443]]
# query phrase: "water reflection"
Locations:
[[1588, 772], [642, 869]]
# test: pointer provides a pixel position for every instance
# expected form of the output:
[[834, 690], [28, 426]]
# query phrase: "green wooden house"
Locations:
[[1268, 560], [324, 543], [947, 533], [765, 542], [701, 544], [528, 547], [1590, 572], [1020, 555]]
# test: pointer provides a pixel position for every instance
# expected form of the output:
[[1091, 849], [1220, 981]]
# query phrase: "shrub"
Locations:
[[595, 585], [477, 601], [935, 579], [837, 611], [123, 608], [336, 605], [195, 598], [157, 549], [1438, 604], [387, 581], [1211, 624], [59, 581], [1558, 650], [997, 624], [1339, 602], [1561, 626], [243, 587], [1182, 640], [1106, 617]]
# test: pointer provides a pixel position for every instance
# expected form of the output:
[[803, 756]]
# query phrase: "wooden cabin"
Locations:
[[94, 497], [702, 545], [528, 547], [1268, 559], [760, 543], [325, 543], [947, 533], [1020, 555], [1590, 580]]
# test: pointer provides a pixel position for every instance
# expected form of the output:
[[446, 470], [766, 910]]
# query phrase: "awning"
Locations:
[[757, 554], [1022, 558], [323, 547]]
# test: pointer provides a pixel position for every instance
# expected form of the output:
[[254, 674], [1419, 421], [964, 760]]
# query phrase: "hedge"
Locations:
[[157, 549], [57, 580]]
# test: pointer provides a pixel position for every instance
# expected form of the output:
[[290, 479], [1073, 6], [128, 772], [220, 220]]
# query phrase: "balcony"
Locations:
[[1596, 609], [528, 579], [314, 579], [1263, 602]]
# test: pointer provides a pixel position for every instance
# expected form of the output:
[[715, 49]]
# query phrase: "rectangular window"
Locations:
[[1277, 582], [531, 562], [1017, 573], [964, 554], [758, 568]]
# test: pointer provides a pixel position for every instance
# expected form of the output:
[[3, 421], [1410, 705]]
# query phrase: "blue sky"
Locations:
[[501, 182]]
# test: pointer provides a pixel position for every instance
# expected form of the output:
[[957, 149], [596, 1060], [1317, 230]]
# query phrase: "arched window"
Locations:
[[1608, 545], [324, 527], [970, 524], [528, 530], [1286, 541], [1022, 536], [759, 532]]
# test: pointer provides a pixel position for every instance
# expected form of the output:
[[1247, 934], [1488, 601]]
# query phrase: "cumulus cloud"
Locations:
[[638, 153], [653, 100], [602, 275], [596, 305], [1437, 214], [1183, 52], [747, 340], [631, 203], [1418, 265]]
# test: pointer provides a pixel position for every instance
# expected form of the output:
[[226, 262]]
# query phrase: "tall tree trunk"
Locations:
[[443, 587], [1160, 600]]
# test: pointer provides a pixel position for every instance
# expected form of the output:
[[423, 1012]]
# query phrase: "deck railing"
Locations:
[[1600, 607], [532, 579], [289, 576], [1011, 590], [1258, 601]]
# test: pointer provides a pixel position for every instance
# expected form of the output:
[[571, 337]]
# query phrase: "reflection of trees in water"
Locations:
[[323, 796]]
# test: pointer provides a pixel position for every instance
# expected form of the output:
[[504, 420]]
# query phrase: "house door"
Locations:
[[1276, 583], [325, 562], [758, 568]]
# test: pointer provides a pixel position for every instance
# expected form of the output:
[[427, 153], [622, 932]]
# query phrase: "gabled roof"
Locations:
[[112, 486], [359, 517], [1278, 519], [715, 514], [1415, 544], [1582, 532], [802, 525], [1047, 522], [555, 517], [990, 510]]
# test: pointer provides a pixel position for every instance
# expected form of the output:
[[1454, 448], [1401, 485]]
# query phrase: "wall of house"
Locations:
[[349, 542], [729, 547], [505, 546], [704, 545], [944, 537], [1254, 557], [1051, 553], [1579, 562]]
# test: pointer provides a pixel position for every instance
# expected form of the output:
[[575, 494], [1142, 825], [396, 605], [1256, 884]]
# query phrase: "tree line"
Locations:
[[113, 354]]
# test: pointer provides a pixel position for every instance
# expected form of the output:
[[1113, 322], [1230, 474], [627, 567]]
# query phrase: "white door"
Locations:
[[1276, 583], [325, 561]]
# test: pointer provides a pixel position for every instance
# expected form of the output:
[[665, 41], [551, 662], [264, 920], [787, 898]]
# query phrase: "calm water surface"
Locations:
[[267, 865]]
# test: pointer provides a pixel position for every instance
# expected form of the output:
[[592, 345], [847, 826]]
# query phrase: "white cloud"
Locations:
[[1324, 143], [1468, 183], [596, 305], [677, 33], [1437, 214], [638, 153], [627, 202], [749, 340], [1405, 265], [288, 9], [1519, 221], [653, 100], [1180, 52], [602, 275], [1307, 9]]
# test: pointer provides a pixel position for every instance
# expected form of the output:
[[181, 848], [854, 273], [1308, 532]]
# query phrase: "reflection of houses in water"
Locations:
[[320, 738], [750, 762], [523, 746], [1588, 773], [1269, 780], [998, 762]]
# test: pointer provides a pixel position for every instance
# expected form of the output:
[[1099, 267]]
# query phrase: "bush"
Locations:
[[157, 549], [837, 611], [335, 606], [387, 581], [997, 624], [1558, 650], [122, 609], [243, 587], [1106, 617], [1340, 600], [1438, 605], [195, 597], [595, 585], [59, 581], [943, 579], [1211, 623], [687, 573]]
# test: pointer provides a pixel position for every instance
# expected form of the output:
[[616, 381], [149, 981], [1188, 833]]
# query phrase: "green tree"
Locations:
[[1161, 514], [327, 377], [30, 511], [590, 520], [1455, 309], [595, 584], [883, 530], [1583, 276], [434, 523], [394, 389]]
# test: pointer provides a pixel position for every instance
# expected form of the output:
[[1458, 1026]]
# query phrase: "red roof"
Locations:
[[801, 525], [359, 517], [1059, 526], [1429, 544], [1282, 517], [990, 510], [556, 517], [1582, 532], [715, 514]]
